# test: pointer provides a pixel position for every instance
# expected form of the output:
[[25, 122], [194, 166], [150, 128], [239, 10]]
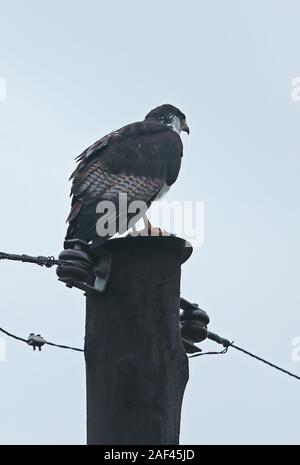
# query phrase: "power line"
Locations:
[[221, 352], [38, 341], [48, 262], [12, 335], [63, 347], [265, 362], [227, 345]]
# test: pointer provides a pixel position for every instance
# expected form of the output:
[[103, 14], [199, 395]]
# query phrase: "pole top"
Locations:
[[171, 244]]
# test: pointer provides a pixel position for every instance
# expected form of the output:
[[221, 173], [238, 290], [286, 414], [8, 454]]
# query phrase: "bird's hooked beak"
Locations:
[[184, 127]]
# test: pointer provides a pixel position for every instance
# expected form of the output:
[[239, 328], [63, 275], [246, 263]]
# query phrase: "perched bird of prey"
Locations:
[[141, 160]]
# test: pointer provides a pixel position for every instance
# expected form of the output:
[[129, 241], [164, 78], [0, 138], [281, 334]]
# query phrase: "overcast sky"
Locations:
[[75, 70]]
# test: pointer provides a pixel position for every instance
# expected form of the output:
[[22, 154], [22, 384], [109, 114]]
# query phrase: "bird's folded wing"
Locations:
[[99, 184], [102, 186]]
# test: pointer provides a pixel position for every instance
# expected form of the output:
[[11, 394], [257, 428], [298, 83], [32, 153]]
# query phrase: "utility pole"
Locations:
[[136, 366]]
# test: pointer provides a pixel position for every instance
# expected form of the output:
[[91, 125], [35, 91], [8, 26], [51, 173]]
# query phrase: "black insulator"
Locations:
[[74, 265], [193, 322], [72, 272], [196, 314], [73, 254], [193, 331], [79, 263]]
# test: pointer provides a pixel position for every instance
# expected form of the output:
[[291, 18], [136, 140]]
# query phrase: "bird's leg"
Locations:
[[134, 231], [152, 231], [148, 230]]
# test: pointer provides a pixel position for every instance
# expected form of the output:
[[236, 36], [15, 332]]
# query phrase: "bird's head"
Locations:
[[169, 116]]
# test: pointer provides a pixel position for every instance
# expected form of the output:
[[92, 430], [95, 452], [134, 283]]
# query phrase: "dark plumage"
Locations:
[[138, 159]]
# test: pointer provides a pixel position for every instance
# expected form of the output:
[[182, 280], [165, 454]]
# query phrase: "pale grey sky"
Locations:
[[75, 70]]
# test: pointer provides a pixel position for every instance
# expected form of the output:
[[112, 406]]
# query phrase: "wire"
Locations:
[[48, 262], [221, 352], [224, 351], [44, 342], [246, 352], [51, 261], [63, 347], [265, 361], [13, 336]]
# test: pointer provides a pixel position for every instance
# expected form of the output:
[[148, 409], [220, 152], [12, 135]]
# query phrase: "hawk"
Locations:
[[141, 160]]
